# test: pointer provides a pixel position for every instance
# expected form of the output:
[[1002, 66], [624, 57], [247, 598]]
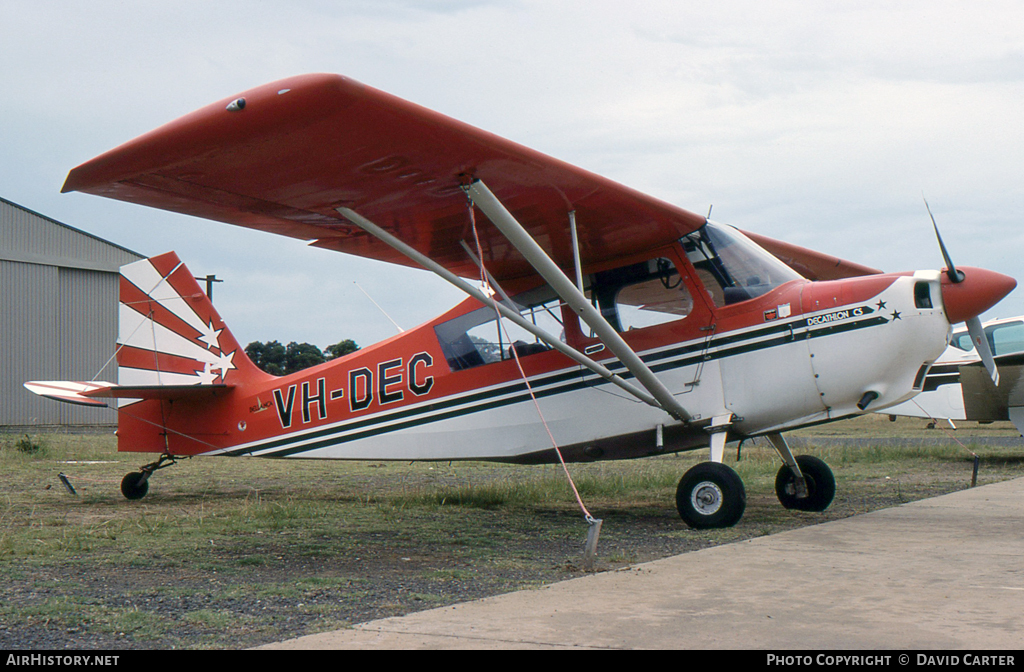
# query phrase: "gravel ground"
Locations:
[[97, 603], [228, 599], [347, 558]]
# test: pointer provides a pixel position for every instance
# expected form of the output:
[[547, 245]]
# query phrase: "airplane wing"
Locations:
[[810, 264], [283, 157]]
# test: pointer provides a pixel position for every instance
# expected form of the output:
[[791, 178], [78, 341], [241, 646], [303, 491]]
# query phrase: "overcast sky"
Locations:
[[817, 123]]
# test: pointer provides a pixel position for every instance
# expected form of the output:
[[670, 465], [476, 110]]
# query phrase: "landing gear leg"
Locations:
[[711, 495], [135, 485], [799, 483]]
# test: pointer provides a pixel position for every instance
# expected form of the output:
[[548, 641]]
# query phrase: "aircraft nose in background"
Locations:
[[977, 292]]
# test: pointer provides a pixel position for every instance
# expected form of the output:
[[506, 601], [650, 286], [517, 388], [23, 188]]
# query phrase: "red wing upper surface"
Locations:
[[810, 264], [302, 147]]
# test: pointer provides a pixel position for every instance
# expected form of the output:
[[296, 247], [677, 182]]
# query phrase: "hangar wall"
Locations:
[[58, 315]]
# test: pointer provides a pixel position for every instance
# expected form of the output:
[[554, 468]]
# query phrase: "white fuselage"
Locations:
[[789, 372]]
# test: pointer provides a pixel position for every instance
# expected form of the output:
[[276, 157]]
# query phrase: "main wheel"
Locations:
[[135, 485], [821, 485], [711, 495]]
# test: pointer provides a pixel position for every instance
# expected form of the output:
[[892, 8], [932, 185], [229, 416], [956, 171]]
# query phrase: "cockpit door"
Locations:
[[768, 372]]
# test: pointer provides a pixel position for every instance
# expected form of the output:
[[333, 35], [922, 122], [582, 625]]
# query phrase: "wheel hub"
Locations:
[[706, 498]]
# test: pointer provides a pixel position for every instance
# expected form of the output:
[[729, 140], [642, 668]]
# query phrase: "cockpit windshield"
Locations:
[[732, 267]]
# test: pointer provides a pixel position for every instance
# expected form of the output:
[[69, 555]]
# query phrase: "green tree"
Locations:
[[340, 349], [268, 356], [299, 356], [280, 360]]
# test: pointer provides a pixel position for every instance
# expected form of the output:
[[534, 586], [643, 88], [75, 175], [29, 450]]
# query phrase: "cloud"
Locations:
[[819, 124]]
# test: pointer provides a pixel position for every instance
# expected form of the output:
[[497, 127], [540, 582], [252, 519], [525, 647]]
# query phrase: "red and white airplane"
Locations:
[[639, 327]]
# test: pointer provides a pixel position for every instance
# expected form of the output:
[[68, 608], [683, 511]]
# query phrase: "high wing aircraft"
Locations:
[[957, 387], [638, 327]]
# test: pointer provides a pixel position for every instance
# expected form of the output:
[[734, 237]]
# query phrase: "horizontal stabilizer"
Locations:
[[68, 391], [93, 393], [158, 391]]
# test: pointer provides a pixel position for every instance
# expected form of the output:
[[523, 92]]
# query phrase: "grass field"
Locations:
[[233, 553]]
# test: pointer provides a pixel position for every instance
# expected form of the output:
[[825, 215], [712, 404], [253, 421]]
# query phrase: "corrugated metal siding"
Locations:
[[86, 335], [27, 341], [56, 322]]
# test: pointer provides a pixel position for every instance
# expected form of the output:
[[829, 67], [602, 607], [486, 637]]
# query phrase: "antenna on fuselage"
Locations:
[[400, 330]]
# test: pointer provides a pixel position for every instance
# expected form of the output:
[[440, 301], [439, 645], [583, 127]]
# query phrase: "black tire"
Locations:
[[711, 495], [821, 485], [135, 485]]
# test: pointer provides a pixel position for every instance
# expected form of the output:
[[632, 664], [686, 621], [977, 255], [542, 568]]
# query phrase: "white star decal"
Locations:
[[206, 376], [224, 364], [211, 336]]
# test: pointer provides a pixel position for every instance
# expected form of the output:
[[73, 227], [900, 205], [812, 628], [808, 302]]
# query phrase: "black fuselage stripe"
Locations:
[[544, 386]]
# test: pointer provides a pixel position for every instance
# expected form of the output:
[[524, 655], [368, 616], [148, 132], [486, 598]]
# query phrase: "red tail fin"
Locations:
[[173, 343], [170, 333]]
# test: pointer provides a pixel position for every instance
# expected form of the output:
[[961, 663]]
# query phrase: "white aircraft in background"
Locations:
[[958, 387]]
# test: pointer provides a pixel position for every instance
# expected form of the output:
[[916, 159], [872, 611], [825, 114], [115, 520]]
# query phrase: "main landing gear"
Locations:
[[135, 485], [819, 485], [711, 495]]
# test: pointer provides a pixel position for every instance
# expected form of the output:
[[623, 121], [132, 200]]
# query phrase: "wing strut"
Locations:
[[567, 290], [512, 315]]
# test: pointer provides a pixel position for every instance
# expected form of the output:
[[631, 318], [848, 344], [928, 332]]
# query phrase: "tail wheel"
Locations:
[[711, 495], [135, 485], [821, 485]]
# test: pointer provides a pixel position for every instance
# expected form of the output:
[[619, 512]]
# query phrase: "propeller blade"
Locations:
[[954, 275], [981, 343]]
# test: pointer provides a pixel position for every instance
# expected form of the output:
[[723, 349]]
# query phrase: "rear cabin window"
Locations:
[[962, 341], [479, 338]]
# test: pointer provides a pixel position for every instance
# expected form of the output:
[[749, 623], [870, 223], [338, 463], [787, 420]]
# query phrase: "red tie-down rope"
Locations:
[[515, 354]]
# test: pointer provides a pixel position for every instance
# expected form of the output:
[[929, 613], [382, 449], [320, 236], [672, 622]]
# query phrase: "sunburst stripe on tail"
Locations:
[[170, 333]]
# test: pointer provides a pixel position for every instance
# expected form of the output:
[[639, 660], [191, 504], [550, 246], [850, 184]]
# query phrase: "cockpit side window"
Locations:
[[641, 295], [732, 267], [1003, 339], [1007, 338], [635, 296]]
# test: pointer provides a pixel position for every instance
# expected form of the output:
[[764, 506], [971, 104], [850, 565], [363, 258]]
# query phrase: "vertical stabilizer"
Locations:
[[169, 332]]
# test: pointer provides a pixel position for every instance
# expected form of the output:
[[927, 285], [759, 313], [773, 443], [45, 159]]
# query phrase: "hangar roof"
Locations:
[[29, 237]]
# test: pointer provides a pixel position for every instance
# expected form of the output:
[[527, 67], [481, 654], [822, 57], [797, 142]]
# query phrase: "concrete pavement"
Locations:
[[942, 573]]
